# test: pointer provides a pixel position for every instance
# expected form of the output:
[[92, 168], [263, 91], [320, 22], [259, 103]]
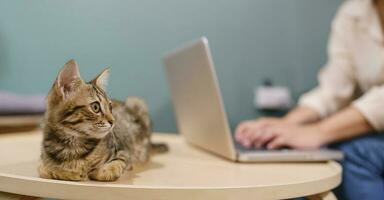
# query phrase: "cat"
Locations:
[[87, 135]]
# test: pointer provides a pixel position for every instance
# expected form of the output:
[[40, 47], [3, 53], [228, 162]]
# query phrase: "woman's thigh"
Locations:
[[363, 167]]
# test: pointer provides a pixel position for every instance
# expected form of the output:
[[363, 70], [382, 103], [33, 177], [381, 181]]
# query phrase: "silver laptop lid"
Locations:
[[197, 101]]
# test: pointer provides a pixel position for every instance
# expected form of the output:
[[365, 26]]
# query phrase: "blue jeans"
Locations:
[[363, 168]]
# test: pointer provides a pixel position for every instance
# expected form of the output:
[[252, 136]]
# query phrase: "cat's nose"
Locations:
[[110, 122], [110, 119]]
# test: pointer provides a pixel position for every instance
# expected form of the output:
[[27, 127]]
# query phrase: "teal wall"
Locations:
[[250, 40]]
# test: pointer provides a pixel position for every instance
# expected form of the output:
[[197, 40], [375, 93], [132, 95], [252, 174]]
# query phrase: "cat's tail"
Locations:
[[137, 106], [139, 109], [158, 148]]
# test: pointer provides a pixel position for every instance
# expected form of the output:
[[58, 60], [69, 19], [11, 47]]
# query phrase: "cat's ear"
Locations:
[[66, 81], [101, 80]]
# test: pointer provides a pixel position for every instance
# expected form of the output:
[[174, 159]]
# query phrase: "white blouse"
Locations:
[[354, 74]]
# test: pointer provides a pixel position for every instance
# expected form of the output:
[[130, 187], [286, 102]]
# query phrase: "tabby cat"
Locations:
[[88, 136]]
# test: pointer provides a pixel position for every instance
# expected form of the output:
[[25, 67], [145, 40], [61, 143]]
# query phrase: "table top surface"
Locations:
[[184, 172]]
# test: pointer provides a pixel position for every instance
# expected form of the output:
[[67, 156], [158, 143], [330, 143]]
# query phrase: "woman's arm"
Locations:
[[347, 124]]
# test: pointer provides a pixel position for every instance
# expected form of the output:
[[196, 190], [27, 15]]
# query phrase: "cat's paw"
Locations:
[[109, 172], [63, 175], [70, 176], [59, 174]]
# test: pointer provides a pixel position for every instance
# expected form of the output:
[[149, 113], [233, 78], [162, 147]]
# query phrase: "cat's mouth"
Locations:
[[104, 126]]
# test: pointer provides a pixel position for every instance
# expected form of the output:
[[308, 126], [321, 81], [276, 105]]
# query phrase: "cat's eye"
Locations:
[[95, 107]]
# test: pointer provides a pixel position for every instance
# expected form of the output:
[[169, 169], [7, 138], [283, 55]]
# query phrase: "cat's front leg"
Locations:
[[61, 174], [110, 171], [113, 169]]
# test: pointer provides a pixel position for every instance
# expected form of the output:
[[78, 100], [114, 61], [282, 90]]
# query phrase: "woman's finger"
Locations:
[[239, 133], [246, 137], [276, 143], [265, 138], [255, 135]]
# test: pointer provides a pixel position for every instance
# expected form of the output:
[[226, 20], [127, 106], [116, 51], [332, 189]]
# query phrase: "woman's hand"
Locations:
[[274, 133], [249, 131], [293, 136]]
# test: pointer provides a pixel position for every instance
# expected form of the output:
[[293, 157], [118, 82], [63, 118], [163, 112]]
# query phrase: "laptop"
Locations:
[[200, 113]]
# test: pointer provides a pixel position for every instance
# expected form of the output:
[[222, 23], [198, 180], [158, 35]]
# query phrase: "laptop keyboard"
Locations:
[[243, 149]]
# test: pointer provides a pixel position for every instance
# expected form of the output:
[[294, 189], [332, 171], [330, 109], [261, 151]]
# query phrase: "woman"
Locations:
[[348, 104]]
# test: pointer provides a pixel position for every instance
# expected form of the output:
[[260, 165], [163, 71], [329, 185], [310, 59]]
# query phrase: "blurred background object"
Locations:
[[19, 123], [13, 104], [20, 112], [250, 40], [270, 97]]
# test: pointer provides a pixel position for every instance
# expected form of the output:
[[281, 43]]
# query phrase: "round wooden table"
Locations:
[[183, 173]]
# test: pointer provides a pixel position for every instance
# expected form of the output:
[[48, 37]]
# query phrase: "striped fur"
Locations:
[[89, 136]]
